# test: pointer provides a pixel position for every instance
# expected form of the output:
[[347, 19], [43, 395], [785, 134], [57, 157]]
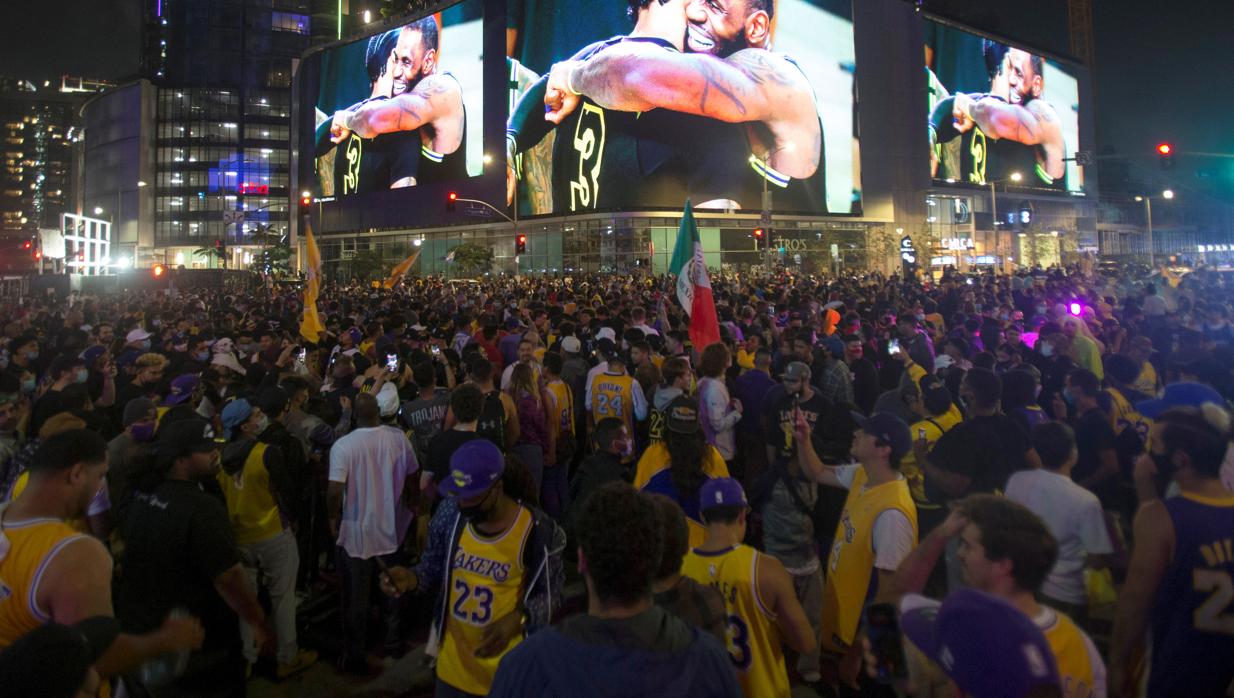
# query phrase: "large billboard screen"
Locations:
[[1000, 113], [403, 107], [628, 105]]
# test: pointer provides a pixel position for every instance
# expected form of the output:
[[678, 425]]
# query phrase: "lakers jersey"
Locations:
[[26, 548], [1123, 415], [442, 167], [486, 577], [1079, 664], [850, 578], [753, 640], [613, 396], [250, 502], [1193, 617], [654, 474], [565, 405]]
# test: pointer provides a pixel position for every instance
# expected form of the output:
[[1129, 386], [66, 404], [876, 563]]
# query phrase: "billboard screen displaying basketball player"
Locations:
[[402, 107], [995, 111], [643, 105]]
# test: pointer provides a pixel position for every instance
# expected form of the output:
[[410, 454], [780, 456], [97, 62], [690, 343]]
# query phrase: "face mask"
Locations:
[[263, 423], [201, 356], [83, 375], [477, 512], [1047, 350], [1069, 397], [1041, 310], [920, 317], [32, 355], [156, 322], [145, 345], [27, 386], [142, 432]]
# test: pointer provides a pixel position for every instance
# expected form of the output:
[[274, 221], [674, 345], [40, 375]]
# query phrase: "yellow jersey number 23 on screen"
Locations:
[[589, 143]]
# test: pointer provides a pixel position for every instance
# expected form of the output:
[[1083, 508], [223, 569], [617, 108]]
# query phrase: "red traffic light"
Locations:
[[758, 233], [1165, 149], [306, 201], [522, 239], [25, 245], [157, 270], [453, 196]]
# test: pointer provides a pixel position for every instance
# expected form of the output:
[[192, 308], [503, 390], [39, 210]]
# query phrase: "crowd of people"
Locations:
[[982, 485]]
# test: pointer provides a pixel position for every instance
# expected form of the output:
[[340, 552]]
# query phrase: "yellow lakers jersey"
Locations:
[[753, 639], [81, 525], [1079, 664], [565, 405], [250, 503], [486, 576], [613, 396], [850, 566], [1123, 415], [26, 547], [934, 429]]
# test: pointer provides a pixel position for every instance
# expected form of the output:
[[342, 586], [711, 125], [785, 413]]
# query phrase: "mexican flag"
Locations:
[[693, 285]]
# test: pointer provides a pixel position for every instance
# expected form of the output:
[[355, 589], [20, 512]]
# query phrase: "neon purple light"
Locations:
[[1075, 309]]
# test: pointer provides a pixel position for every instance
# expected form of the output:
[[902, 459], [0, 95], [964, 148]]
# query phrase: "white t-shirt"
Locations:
[[373, 463], [893, 532], [1074, 517]]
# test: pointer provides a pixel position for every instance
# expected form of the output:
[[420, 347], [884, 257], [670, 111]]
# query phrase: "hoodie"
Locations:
[[652, 654]]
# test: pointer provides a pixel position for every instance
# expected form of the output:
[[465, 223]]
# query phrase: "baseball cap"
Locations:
[[136, 410], [887, 427], [721, 492], [53, 659], [136, 335], [986, 645], [228, 361], [236, 413], [184, 436], [474, 467], [571, 345], [181, 388], [606, 346], [683, 415], [795, 371], [91, 354], [607, 333], [1179, 395]]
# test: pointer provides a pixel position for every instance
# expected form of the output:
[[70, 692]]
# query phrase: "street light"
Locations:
[[1168, 194], [98, 210], [1015, 177]]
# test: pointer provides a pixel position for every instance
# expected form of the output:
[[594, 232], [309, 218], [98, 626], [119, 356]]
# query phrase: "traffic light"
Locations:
[[305, 202], [451, 198], [1165, 154], [158, 270], [759, 236], [520, 244]]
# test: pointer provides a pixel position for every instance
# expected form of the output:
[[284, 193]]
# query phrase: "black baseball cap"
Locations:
[[889, 428], [185, 436]]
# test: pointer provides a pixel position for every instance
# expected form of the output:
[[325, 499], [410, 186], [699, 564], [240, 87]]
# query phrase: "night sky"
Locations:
[[1163, 69]]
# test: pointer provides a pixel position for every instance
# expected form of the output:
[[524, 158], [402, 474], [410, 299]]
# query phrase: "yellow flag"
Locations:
[[397, 272], [310, 325]]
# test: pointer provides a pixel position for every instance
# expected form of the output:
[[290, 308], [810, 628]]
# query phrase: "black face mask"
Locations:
[[477, 513]]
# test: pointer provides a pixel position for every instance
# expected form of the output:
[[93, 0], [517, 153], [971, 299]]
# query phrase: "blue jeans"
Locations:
[[555, 490]]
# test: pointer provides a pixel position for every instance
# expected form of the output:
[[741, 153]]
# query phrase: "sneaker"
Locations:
[[303, 660]]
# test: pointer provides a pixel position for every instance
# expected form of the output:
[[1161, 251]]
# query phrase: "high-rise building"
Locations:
[[39, 123]]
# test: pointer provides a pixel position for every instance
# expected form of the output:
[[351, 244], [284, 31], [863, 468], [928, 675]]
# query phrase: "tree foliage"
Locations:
[[470, 257]]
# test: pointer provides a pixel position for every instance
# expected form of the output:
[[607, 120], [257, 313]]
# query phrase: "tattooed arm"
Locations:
[[750, 85], [437, 96], [1035, 123]]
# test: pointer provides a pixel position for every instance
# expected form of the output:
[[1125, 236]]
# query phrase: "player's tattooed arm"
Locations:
[[1033, 124], [436, 96], [750, 85]]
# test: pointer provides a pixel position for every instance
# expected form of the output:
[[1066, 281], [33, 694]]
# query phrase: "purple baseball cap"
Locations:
[[1179, 395], [986, 645], [721, 492], [181, 388], [474, 467]]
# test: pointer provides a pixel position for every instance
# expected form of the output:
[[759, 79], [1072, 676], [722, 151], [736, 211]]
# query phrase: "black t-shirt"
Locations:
[[986, 449], [177, 539], [442, 446], [778, 420], [1093, 434]]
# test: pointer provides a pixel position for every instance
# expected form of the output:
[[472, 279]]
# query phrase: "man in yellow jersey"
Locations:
[[259, 492], [555, 482], [1140, 351], [1006, 550], [626, 644], [51, 573], [936, 414], [763, 611], [495, 564], [614, 393], [877, 528]]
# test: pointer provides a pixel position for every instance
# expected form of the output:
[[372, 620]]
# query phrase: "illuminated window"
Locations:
[[289, 22]]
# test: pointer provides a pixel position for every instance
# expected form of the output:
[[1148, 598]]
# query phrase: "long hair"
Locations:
[[685, 456], [523, 380]]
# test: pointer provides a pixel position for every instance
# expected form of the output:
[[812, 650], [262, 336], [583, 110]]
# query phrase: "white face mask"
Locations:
[[1047, 350]]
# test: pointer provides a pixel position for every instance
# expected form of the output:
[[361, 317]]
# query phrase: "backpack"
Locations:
[[492, 423]]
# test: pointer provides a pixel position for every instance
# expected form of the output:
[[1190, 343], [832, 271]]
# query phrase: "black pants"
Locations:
[[358, 577]]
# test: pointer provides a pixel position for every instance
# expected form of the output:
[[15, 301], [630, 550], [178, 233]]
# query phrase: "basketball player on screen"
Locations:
[[730, 76], [431, 102]]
